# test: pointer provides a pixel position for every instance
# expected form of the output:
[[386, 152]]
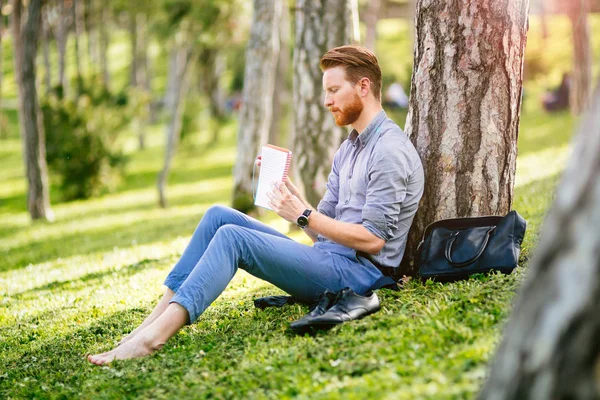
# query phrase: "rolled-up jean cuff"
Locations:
[[192, 316], [173, 283]]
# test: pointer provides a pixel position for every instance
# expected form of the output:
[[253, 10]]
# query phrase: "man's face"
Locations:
[[341, 96]]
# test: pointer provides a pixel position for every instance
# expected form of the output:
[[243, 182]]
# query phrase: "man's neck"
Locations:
[[366, 116]]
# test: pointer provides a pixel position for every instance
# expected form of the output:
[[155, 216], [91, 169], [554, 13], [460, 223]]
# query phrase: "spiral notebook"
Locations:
[[274, 166]]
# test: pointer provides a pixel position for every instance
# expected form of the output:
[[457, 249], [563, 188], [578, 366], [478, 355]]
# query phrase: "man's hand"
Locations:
[[284, 203], [291, 187]]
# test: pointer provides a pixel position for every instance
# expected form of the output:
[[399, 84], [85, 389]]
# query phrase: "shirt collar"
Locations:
[[369, 132]]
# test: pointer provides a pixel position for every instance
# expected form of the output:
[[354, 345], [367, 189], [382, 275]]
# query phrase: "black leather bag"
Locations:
[[453, 249]]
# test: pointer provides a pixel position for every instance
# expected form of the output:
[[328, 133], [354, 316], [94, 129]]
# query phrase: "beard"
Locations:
[[349, 114]]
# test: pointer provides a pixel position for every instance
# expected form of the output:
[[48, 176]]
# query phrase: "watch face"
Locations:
[[302, 221]]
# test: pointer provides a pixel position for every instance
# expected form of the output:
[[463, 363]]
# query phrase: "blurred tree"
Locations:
[[320, 26], [181, 68], [371, 18], [281, 94], [91, 33], [193, 27], [104, 42], [25, 39], [78, 17], [138, 13], [3, 130], [465, 107], [59, 17], [550, 348], [46, 49], [259, 82], [581, 77], [212, 67]]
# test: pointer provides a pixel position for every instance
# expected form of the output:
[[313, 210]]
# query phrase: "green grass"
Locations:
[[76, 286]]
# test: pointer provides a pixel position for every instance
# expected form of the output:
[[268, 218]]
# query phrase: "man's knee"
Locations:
[[230, 233], [218, 215]]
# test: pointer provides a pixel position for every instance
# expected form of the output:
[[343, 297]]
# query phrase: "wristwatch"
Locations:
[[302, 220]]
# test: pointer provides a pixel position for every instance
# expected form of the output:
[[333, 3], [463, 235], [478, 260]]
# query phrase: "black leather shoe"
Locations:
[[348, 306], [322, 304]]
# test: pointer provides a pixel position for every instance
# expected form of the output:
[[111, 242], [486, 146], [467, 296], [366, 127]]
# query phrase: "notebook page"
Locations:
[[273, 167]]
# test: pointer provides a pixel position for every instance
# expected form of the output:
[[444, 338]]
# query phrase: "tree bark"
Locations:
[[281, 94], [550, 348], [182, 72], [171, 89], [259, 83], [46, 50], [104, 39], [133, 36], [78, 13], [91, 31], [3, 130], [465, 107], [581, 78], [30, 116], [61, 31], [371, 17], [320, 26], [212, 65], [143, 75]]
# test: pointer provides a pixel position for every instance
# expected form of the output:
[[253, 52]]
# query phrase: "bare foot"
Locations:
[[134, 348], [131, 335]]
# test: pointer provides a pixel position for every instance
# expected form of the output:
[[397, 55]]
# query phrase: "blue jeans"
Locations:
[[226, 240]]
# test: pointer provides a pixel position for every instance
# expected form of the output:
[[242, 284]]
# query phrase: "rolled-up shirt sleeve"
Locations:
[[388, 175], [330, 199]]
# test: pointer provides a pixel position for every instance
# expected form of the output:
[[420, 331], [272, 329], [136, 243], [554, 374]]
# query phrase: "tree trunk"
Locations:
[[92, 34], [104, 44], [143, 76], [371, 17], [320, 26], [281, 94], [61, 34], [216, 96], [30, 116], [259, 83], [550, 348], [171, 89], [465, 107], [3, 130], [78, 13], [544, 24], [212, 65], [46, 50], [133, 36], [182, 72], [581, 78]]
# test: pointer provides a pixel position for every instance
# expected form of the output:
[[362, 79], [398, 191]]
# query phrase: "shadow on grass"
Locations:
[[133, 181], [91, 278], [78, 243], [103, 239]]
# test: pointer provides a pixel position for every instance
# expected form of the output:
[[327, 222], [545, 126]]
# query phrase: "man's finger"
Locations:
[[284, 189]]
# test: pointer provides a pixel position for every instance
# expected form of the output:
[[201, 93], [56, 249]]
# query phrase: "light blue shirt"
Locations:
[[376, 180]]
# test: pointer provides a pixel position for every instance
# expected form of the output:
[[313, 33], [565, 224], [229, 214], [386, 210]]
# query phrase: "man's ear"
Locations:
[[364, 86]]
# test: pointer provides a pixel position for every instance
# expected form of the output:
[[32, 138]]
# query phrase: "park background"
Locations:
[[78, 284]]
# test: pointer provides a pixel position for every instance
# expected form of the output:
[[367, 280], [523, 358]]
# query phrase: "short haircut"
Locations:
[[359, 62]]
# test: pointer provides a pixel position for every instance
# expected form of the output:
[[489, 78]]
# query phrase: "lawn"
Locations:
[[77, 285]]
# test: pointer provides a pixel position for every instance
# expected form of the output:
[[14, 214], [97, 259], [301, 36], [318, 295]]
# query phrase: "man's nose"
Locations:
[[328, 101]]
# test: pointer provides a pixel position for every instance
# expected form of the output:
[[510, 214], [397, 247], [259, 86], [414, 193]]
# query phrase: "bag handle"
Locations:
[[450, 242]]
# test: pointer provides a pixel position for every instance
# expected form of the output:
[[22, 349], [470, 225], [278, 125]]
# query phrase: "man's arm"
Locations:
[[289, 207], [355, 236]]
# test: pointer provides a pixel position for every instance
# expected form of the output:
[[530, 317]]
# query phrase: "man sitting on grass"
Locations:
[[359, 229]]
